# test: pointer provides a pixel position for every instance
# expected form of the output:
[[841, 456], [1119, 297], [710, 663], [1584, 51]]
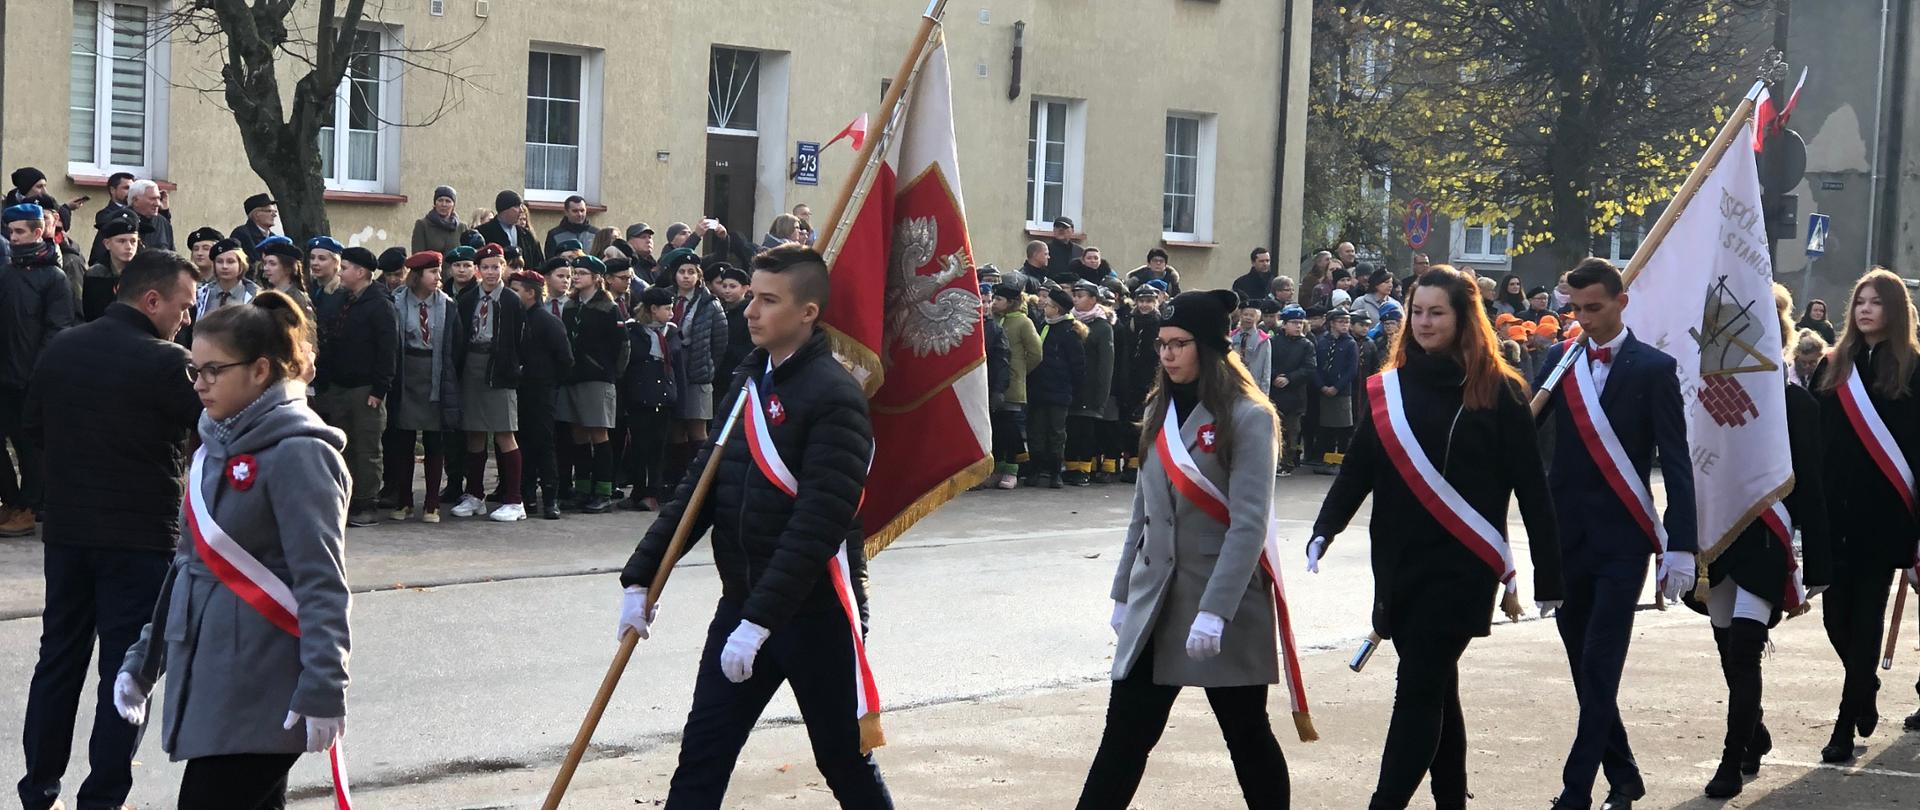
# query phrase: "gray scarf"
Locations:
[[449, 223]]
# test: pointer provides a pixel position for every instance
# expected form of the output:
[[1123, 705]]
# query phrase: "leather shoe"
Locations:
[[1913, 722]]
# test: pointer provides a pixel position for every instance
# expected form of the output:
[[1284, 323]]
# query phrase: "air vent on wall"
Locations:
[[437, 8], [481, 8]]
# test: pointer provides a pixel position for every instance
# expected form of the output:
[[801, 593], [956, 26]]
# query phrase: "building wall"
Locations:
[[1132, 62]]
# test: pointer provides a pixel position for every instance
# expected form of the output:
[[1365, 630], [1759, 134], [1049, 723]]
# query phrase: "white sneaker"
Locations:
[[469, 506], [509, 513]]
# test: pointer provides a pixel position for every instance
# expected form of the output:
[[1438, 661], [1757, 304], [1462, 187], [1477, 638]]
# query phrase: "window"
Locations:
[[733, 92], [563, 123], [1620, 242], [1056, 145], [1483, 242], [1186, 210], [116, 90], [365, 102]]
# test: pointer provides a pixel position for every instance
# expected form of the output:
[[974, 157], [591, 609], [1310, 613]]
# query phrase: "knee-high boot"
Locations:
[[1741, 646]]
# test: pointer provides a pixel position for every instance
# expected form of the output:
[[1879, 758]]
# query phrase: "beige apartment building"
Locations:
[[1150, 123]]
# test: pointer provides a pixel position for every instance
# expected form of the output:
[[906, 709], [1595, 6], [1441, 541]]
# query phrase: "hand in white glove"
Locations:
[[322, 732], [1317, 547], [736, 659], [1548, 608], [632, 603], [1119, 616], [1203, 641], [1815, 591], [130, 699], [1676, 574]]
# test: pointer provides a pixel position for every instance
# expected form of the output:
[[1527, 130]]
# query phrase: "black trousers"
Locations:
[[1290, 438], [1427, 733], [1009, 438], [1047, 437], [24, 492], [537, 440], [1854, 611], [1596, 625], [813, 653], [1083, 442], [1137, 715], [236, 782], [1114, 446], [90, 593], [647, 451]]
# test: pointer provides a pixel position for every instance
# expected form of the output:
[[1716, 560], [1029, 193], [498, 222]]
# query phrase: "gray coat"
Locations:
[[703, 340], [1177, 561], [232, 676]]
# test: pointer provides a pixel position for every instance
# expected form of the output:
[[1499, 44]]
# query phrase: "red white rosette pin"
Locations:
[[241, 472], [776, 412], [1207, 436]]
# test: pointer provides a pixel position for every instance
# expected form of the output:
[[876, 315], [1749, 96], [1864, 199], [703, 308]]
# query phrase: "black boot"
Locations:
[[1740, 649], [1867, 710], [1726, 781], [549, 504], [1759, 746], [1839, 746]]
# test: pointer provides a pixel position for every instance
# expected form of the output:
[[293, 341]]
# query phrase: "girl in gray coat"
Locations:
[[251, 625], [1191, 607]]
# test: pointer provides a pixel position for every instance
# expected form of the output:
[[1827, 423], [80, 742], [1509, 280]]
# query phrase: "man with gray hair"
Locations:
[[156, 229]]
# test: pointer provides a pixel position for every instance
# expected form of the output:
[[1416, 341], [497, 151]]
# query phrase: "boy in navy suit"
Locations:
[[1624, 403]]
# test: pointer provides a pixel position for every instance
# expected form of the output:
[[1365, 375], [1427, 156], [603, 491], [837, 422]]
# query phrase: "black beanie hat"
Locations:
[[505, 200], [1009, 292], [26, 177], [1060, 299], [1206, 314]]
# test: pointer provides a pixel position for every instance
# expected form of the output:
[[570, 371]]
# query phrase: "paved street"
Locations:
[[478, 647]]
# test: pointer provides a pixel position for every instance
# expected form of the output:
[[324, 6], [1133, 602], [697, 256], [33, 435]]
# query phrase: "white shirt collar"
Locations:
[[1613, 346]]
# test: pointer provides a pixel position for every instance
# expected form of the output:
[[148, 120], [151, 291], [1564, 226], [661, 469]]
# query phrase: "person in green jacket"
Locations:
[[1010, 419]]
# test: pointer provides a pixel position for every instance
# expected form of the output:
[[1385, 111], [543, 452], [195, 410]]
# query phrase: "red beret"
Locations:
[[425, 259], [527, 277], [490, 250]]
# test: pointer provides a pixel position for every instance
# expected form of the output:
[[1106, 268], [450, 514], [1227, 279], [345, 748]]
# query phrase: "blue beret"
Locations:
[[1293, 313], [24, 212], [270, 241], [326, 243]]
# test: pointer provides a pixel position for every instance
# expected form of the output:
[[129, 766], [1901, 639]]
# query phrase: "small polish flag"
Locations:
[[1767, 119], [856, 130]]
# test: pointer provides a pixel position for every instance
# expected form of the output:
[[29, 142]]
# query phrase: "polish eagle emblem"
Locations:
[[922, 312]]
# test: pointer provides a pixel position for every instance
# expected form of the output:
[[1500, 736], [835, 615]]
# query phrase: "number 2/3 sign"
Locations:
[[806, 163]]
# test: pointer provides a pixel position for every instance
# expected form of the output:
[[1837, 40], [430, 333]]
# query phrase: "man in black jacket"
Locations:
[[546, 359], [113, 401], [359, 355], [36, 303], [262, 212], [508, 229], [784, 530]]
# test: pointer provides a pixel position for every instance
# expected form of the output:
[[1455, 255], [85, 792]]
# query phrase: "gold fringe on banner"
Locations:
[[871, 736], [1303, 724], [925, 504]]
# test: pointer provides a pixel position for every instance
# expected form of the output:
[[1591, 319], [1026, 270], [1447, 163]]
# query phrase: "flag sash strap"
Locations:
[[1873, 434], [767, 458], [1781, 523], [258, 587], [1583, 401], [1191, 484], [1438, 495]]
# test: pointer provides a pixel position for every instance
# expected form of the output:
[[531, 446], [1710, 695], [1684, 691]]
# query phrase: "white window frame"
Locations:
[[1613, 242], [159, 67], [592, 67], [1206, 136], [1467, 250], [386, 133], [1073, 162], [760, 105]]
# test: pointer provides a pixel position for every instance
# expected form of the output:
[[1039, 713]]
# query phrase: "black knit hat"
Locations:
[[656, 297], [1060, 299], [1207, 314]]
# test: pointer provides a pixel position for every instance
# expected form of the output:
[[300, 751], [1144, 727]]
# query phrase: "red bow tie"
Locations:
[[1602, 355]]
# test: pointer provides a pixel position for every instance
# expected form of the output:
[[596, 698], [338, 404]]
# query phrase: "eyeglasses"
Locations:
[[1177, 344], [212, 370]]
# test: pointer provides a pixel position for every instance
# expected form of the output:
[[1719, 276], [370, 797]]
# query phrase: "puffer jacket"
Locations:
[[1063, 365], [770, 549], [1023, 343], [37, 303], [703, 338]]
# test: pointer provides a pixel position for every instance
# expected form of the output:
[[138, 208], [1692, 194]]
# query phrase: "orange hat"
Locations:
[[1548, 322], [1504, 318], [1517, 333], [1574, 330]]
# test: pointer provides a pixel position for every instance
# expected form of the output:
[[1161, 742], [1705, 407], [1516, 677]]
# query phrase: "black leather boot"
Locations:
[[549, 504], [1740, 650]]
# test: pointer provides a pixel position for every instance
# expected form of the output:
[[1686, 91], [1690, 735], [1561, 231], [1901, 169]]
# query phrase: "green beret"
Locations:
[[460, 254], [679, 256], [591, 264]]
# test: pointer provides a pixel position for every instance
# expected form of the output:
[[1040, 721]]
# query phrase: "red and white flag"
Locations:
[[1769, 118], [905, 313], [856, 131], [1705, 296]]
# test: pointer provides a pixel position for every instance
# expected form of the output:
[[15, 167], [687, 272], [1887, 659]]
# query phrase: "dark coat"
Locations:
[[36, 303], [649, 382], [999, 363], [546, 358], [495, 232], [1123, 339], [362, 348], [1642, 402], [599, 342], [1426, 580], [98, 290], [1144, 274], [771, 550], [1096, 383], [111, 404], [1336, 363], [582, 233], [1063, 364], [739, 340], [1871, 524], [1142, 363], [249, 237], [1255, 285], [503, 366], [1293, 358]]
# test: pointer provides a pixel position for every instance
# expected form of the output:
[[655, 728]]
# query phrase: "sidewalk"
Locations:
[[1032, 750]]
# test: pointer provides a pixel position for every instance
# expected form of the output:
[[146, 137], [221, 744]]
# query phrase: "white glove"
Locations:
[[322, 732], [129, 699], [1676, 574], [1815, 591], [1203, 641], [1549, 607], [736, 659], [632, 602], [1119, 616], [1315, 548]]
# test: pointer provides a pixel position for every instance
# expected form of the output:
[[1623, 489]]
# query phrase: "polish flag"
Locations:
[[1768, 119], [856, 130]]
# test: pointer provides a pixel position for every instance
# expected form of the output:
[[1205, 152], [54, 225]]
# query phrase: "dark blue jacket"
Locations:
[[1642, 402], [1336, 363], [1063, 362]]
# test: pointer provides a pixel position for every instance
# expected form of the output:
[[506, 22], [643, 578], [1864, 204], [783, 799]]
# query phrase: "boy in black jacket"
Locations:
[[651, 392], [785, 528], [1293, 364]]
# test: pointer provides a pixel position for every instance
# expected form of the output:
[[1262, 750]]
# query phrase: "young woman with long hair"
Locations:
[[1449, 424], [282, 269], [1870, 376], [253, 683], [1191, 605], [1754, 581]]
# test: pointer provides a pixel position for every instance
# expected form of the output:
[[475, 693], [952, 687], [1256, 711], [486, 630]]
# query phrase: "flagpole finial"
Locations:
[[934, 9]]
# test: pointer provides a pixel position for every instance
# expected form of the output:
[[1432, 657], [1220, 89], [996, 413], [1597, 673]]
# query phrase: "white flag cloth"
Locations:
[[1706, 298]]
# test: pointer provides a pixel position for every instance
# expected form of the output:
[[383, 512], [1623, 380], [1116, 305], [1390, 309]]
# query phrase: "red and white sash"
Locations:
[[767, 458], [1874, 435], [257, 586], [1441, 499], [1199, 491], [1781, 523], [1583, 401]]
